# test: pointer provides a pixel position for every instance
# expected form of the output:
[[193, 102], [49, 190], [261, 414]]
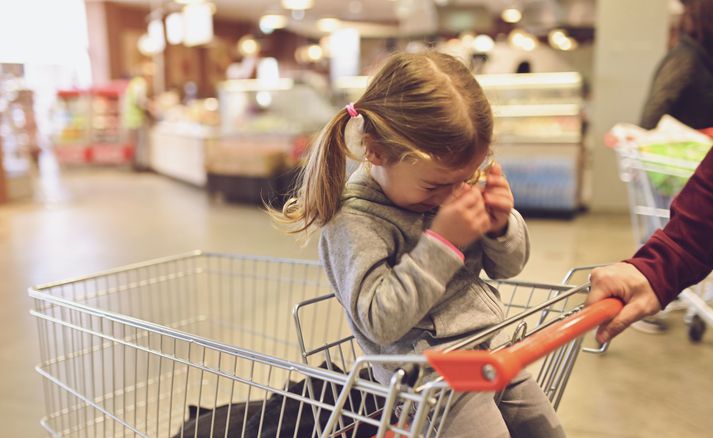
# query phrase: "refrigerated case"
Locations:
[[538, 137], [89, 127]]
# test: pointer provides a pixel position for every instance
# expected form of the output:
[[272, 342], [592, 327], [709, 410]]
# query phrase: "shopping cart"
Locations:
[[203, 345], [652, 182]]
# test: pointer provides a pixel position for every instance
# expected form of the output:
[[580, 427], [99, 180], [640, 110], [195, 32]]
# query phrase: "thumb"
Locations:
[[629, 313]]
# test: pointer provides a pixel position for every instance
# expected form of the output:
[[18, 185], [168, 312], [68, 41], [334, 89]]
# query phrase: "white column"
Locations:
[[630, 41]]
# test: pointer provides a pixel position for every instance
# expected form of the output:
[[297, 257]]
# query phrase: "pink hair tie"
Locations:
[[351, 110]]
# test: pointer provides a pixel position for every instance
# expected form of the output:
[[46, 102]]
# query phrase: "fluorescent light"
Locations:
[[147, 46], [297, 5], [314, 53], [174, 28], [328, 24], [247, 46], [511, 15], [522, 40], [483, 44], [270, 22], [559, 40], [156, 34], [198, 24], [539, 80], [568, 44]]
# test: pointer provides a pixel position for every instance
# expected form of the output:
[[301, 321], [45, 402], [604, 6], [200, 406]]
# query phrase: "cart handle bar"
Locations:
[[496, 369]]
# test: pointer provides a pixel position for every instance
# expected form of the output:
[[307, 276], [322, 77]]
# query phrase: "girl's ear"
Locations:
[[374, 153]]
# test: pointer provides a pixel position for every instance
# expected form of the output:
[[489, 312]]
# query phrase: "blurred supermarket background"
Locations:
[[133, 129]]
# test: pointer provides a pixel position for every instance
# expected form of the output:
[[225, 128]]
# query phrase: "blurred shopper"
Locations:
[[671, 260], [683, 83], [136, 115]]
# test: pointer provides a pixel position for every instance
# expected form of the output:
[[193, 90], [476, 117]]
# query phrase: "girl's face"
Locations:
[[422, 185]]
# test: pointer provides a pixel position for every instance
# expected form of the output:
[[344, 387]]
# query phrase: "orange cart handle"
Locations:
[[477, 370]]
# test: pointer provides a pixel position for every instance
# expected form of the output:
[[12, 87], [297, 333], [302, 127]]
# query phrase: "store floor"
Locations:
[[89, 220]]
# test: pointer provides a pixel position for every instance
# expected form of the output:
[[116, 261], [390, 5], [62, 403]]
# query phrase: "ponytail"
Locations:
[[317, 197]]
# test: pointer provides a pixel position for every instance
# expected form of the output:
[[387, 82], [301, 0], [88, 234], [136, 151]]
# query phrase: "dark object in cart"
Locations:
[[280, 415], [258, 190]]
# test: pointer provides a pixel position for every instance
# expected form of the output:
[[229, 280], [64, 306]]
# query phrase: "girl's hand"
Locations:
[[498, 200], [462, 218]]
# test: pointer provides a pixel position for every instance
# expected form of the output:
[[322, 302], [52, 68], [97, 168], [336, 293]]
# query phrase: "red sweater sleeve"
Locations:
[[681, 254]]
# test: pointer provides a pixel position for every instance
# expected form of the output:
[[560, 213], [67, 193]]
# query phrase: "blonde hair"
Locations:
[[423, 106]]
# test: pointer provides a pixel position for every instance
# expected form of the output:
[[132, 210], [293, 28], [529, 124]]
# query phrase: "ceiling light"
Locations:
[[314, 53], [197, 24], [297, 5], [147, 46], [511, 15], [483, 44], [270, 22], [155, 32], [560, 40], [174, 28], [522, 40], [247, 46], [328, 24]]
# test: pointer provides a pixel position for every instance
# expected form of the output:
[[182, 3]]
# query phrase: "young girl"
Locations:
[[405, 238]]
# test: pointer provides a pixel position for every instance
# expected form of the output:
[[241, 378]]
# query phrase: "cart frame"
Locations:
[[128, 351]]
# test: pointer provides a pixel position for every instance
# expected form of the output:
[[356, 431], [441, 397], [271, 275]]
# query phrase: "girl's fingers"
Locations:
[[495, 170], [457, 193], [493, 181], [499, 201], [500, 206]]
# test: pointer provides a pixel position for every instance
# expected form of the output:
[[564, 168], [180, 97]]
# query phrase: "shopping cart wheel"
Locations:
[[696, 329]]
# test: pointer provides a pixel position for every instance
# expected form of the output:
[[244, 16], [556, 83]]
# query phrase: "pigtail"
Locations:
[[316, 198]]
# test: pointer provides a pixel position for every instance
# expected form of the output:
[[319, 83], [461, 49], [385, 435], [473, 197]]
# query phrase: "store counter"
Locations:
[[178, 150]]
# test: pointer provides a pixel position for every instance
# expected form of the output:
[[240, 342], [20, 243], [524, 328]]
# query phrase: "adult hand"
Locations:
[[462, 218], [498, 200], [624, 281]]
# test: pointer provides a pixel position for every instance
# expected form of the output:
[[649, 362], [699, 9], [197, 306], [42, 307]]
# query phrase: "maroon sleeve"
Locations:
[[681, 254]]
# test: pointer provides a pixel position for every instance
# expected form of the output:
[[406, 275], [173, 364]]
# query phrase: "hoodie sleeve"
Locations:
[[505, 256], [385, 298]]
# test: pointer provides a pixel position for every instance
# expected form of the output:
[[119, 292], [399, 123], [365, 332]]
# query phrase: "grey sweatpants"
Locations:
[[524, 412]]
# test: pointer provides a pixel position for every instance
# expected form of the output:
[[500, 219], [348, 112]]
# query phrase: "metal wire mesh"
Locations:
[[203, 345]]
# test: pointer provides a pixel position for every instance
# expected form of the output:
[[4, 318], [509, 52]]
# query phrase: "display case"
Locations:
[[89, 127], [265, 129], [538, 137]]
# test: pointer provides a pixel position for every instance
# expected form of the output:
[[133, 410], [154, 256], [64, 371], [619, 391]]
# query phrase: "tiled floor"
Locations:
[[96, 219]]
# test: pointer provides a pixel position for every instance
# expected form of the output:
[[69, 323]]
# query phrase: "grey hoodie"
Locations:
[[404, 291]]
